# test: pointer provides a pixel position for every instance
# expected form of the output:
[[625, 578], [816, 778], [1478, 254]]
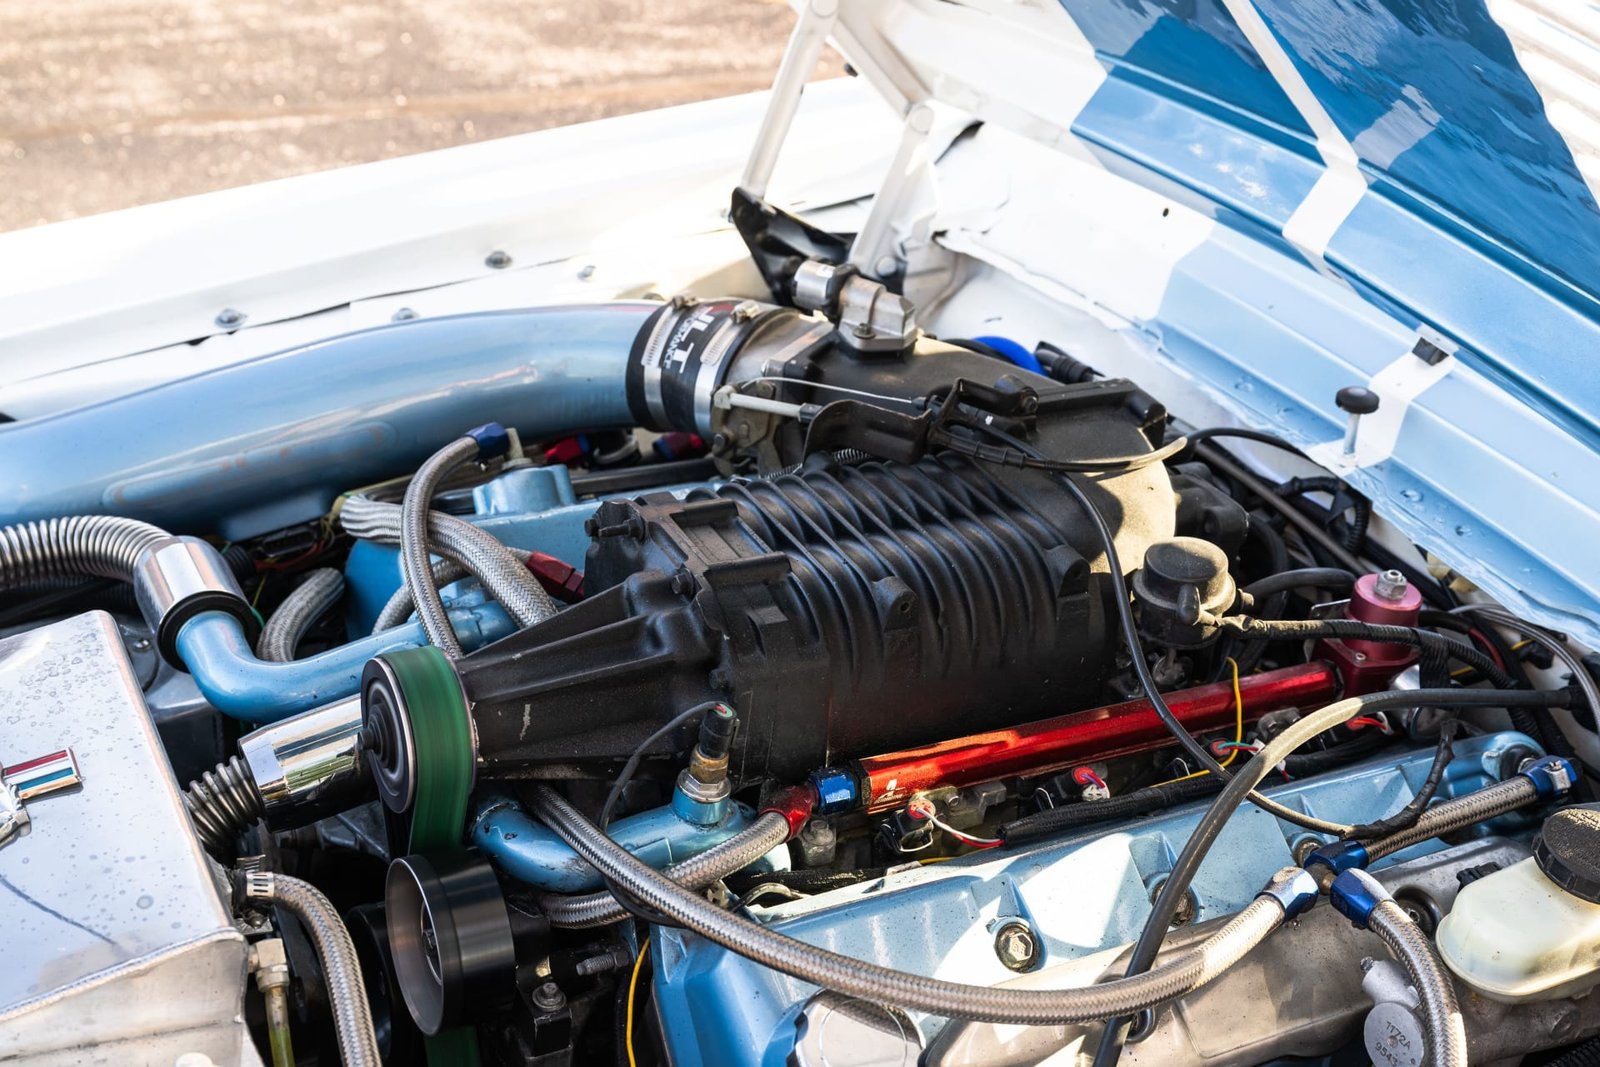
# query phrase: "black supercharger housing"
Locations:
[[848, 605]]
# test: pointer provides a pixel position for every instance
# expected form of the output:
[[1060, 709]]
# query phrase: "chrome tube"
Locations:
[[307, 766]]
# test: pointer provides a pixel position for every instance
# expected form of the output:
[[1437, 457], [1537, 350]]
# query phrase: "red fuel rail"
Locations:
[[1101, 733]]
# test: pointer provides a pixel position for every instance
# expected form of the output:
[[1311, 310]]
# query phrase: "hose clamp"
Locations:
[[1551, 776], [259, 885], [1355, 894], [1336, 857], [1294, 888]]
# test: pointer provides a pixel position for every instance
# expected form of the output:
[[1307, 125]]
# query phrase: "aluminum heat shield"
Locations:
[[118, 944]]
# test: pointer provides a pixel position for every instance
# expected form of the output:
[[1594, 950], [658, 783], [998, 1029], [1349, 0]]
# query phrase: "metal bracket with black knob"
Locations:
[[1355, 401]]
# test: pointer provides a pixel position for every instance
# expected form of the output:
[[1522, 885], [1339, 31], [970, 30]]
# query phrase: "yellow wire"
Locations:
[[633, 985], [1238, 730]]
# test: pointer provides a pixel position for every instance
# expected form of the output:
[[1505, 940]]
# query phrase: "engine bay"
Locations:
[[762, 679]]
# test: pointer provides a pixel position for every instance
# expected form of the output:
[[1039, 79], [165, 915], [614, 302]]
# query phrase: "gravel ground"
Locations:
[[111, 103]]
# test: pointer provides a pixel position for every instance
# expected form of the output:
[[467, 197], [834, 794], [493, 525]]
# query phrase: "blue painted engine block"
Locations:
[[1080, 895]]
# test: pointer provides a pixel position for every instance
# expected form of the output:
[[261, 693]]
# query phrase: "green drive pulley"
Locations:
[[419, 748], [420, 744]]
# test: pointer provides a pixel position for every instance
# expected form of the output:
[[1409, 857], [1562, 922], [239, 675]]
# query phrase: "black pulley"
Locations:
[[399, 1042], [450, 936]]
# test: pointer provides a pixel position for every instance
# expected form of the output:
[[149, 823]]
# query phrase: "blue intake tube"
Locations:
[[263, 444], [224, 666], [530, 852]]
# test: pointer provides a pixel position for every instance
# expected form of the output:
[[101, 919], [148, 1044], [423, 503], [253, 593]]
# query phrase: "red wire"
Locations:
[[1487, 645]]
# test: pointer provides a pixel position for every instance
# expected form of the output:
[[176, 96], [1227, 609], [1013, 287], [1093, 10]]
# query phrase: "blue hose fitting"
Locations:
[[1336, 857], [837, 791], [1294, 888], [492, 439], [1355, 894], [1551, 776]]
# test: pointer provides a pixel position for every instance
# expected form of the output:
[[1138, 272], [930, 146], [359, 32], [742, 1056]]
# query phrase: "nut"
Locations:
[[1391, 585], [549, 997], [1017, 946]]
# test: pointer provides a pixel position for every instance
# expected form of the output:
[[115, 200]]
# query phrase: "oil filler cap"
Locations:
[[839, 1031], [1567, 850]]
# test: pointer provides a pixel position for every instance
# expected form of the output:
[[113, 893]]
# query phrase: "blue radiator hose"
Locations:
[[219, 657]]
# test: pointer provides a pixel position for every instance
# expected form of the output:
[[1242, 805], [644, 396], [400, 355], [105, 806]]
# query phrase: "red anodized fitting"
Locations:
[[795, 803], [1102, 733]]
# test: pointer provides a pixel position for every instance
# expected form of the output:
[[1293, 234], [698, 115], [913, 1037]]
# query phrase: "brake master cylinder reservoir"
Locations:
[[1532, 931]]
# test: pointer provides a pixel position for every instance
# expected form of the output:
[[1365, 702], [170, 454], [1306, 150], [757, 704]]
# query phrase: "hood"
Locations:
[[1393, 193]]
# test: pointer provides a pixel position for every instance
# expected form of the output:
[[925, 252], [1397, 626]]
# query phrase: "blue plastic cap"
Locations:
[[1012, 351], [1338, 857], [1355, 894], [1293, 887], [836, 790], [492, 438], [1551, 776]]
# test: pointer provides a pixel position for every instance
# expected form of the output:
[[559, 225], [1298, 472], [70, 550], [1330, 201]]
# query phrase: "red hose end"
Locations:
[[795, 803]]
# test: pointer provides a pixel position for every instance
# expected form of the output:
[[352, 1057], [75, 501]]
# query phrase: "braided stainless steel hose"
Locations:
[[320, 591], [414, 554], [872, 982], [1441, 1014], [1458, 814], [735, 854], [500, 569], [352, 1016]]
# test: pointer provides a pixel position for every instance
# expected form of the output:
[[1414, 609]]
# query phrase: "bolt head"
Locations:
[[1016, 946]]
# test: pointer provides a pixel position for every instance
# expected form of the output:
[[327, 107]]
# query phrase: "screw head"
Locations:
[[585, 273], [497, 260], [229, 318], [1016, 946], [403, 315]]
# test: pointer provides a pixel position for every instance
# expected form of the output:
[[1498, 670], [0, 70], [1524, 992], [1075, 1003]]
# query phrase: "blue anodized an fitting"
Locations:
[[1551, 776], [1355, 894], [1295, 888]]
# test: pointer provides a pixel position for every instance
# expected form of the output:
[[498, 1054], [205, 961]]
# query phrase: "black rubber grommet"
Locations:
[[173, 621]]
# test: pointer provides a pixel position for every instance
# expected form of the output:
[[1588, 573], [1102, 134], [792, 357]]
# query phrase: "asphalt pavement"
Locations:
[[107, 104]]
